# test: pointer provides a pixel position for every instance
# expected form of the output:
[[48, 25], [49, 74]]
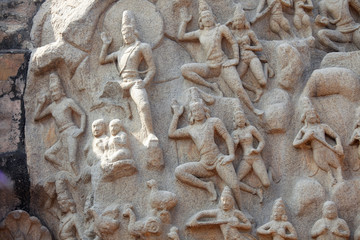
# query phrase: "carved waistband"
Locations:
[[66, 126]]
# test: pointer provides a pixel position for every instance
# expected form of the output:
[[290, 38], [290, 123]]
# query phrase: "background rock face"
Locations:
[[138, 192]]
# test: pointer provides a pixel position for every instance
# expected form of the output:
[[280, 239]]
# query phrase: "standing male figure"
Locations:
[[128, 58], [61, 110]]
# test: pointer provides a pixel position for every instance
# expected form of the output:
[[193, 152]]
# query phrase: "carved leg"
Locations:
[[72, 149], [228, 175], [328, 38], [190, 173], [50, 154], [260, 171]]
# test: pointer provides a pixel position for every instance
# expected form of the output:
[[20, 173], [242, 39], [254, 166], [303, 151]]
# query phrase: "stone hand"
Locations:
[[231, 62], [184, 15], [227, 159], [106, 40], [76, 132], [177, 109]]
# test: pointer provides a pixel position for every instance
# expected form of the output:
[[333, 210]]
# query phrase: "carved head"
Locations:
[[198, 111], [278, 211], [115, 126], [128, 27], [56, 89], [66, 205], [239, 20], [240, 119], [206, 16], [310, 114], [330, 210], [227, 201], [98, 127]]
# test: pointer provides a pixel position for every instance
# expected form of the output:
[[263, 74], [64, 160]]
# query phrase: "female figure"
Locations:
[[301, 18], [279, 228], [217, 63], [244, 135], [325, 155], [249, 44], [229, 219]]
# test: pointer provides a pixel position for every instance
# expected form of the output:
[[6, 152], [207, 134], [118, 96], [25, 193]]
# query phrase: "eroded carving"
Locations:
[[202, 131], [355, 139], [153, 226], [19, 224], [337, 13], [244, 135], [278, 23], [61, 109], [313, 136], [231, 221], [217, 64], [302, 20], [330, 226], [279, 228]]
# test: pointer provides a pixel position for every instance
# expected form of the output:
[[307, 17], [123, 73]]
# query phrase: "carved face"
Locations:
[[207, 19], [114, 128], [197, 111], [278, 212], [329, 210], [227, 203], [239, 120], [128, 34], [312, 117], [66, 205], [56, 92], [239, 22], [98, 129]]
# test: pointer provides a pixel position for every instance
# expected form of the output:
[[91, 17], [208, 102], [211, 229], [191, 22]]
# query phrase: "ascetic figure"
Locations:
[[325, 156], [278, 23], [217, 63], [99, 141], [128, 58], [330, 226], [337, 12], [229, 219], [61, 109], [202, 131], [248, 43], [279, 228], [244, 134]]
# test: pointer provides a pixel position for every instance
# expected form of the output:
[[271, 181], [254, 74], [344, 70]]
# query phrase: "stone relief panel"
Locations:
[[209, 99]]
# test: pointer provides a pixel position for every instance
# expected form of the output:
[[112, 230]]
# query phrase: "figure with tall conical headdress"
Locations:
[[128, 59], [61, 109], [248, 43], [217, 64], [202, 130]]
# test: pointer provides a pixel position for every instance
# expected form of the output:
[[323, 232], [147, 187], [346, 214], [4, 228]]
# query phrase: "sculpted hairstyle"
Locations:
[[201, 103]]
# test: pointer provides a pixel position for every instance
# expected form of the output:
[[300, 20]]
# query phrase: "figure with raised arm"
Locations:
[[249, 44], [202, 131], [244, 135], [337, 13], [61, 109], [313, 135], [278, 23], [279, 228], [230, 220], [217, 64], [128, 59], [330, 226]]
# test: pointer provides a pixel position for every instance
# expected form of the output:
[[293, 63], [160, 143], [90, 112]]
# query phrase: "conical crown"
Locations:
[[204, 8], [128, 19]]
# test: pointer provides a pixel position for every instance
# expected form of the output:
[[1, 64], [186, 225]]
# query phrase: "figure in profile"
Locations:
[[217, 63], [128, 59], [61, 109]]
